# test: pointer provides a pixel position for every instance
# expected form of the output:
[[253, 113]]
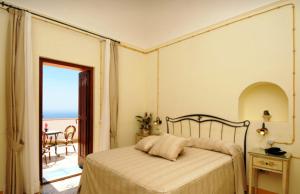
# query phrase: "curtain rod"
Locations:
[[60, 22]]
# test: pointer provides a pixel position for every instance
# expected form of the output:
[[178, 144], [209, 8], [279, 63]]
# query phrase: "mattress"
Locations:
[[130, 171]]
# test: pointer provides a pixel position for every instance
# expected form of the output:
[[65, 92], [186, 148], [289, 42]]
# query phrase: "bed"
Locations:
[[196, 171]]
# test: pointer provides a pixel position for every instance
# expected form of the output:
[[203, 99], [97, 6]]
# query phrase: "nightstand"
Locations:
[[263, 161]]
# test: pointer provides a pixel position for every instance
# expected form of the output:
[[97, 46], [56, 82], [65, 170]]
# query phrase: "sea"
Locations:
[[59, 115]]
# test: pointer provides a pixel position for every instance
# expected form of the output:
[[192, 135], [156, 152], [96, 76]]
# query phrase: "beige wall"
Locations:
[[208, 73], [205, 74], [132, 93], [3, 38], [132, 21], [55, 42], [151, 82], [137, 91], [59, 43], [136, 75], [263, 96]]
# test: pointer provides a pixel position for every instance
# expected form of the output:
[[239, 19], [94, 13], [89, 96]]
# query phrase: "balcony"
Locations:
[[60, 165], [61, 124]]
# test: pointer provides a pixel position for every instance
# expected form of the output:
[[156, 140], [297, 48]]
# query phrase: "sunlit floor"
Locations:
[[62, 165], [67, 186]]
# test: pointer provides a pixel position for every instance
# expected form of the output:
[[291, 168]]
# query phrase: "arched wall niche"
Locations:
[[262, 96]]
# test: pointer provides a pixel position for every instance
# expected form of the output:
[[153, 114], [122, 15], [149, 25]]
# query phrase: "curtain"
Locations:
[[105, 109], [110, 99], [21, 164], [113, 94], [31, 123], [15, 103]]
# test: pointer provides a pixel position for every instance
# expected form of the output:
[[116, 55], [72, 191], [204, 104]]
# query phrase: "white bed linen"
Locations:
[[130, 171]]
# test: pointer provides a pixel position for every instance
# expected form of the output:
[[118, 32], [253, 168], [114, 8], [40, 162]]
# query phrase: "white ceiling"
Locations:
[[143, 23]]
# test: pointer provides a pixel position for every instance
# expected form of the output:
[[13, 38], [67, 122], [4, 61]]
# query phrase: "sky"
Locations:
[[60, 90]]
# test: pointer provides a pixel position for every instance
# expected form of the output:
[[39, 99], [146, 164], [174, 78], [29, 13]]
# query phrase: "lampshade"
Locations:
[[157, 121], [263, 130]]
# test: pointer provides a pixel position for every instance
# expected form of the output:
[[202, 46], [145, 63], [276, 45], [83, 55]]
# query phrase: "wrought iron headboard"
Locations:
[[202, 118]]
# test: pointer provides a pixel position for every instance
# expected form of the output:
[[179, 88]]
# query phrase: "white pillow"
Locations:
[[217, 145], [146, 143], [168, 146]]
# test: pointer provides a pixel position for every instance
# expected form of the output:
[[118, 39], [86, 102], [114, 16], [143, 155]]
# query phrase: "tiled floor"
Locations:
[[62, 165], [67, 186]]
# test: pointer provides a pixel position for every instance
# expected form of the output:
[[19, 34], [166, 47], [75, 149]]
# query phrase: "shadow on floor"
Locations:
[[67, 186], [61, 165]]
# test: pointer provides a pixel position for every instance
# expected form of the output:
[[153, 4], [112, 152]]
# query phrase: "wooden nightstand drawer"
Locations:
[[267, 163], [259, 159]]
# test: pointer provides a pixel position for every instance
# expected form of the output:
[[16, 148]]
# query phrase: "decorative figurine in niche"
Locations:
[[267, 116]]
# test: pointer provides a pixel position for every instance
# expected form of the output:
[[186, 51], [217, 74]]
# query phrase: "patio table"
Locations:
[[55, 134]]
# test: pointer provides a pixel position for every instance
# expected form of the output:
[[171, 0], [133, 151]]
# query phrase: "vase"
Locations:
[[145, 132]]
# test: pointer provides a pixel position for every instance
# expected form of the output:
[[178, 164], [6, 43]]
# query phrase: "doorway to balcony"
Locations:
[[66, 118]]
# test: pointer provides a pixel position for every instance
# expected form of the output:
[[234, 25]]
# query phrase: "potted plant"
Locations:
[[145, 123]]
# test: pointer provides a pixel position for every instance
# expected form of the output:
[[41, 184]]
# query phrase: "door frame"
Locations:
[[66, 65]]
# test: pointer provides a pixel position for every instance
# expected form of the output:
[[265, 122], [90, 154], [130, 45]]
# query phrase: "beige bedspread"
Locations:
[[130, 171]]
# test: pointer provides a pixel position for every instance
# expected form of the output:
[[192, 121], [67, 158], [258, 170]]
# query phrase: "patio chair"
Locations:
[[68, 138], [46, 145]]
